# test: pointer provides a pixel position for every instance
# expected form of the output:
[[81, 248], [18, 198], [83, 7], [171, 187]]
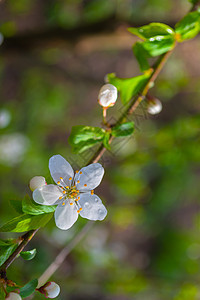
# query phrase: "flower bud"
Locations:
[[36, 182], [154, 106], [13, 296], [107, 95], [50, 289]]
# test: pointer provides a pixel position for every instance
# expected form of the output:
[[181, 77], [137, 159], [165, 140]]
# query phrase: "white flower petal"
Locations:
[[92, 207], [65, 215], [88, 178], [59, 167], [47, 194]]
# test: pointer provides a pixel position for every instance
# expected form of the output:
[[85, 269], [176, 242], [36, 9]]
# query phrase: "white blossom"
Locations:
[[37, 182], [13, 296], [107, 95], [74, 194], [154, 106], [50, 289]]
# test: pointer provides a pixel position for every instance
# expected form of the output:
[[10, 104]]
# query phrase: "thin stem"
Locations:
[[104, 115], [60, 258], [156, 71], [25, 240]]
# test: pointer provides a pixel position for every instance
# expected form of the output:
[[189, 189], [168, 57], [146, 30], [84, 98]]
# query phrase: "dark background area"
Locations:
[[53, 61]]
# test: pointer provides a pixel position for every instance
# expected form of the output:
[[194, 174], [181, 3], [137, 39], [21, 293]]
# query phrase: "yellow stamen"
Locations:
[[78, 181], [77, 191], [64, 192], [79, 198], [70, 178], [63, 203], [76, 171], [81, 172], [60, 197], [92, 192], [67, 187], [71, 203], [61, 178], [80, 208], [85, 184], [78, 211], [58, 182]]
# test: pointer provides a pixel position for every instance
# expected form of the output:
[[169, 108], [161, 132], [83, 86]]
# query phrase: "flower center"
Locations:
[[69, 193]]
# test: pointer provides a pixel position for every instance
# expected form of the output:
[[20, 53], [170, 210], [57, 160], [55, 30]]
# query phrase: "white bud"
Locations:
[[36, 182], [50, 289], [154, 106], [13, 296], [107, 95]]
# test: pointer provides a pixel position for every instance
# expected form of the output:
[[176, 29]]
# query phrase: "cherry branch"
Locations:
[[156, 69], [25, 239], [97, 156]]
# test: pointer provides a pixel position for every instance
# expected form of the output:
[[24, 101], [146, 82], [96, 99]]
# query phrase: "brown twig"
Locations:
[[25, 240]]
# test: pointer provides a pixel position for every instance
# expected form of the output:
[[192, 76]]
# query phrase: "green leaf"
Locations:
[[32, 208], [158, 45], [17, 205], [189, 26], [151, 30], [28, 255], [29, 288], [128, 87], [26, 222], [141, 55], [6, 243], [5, 252], [106, 140], [124, 129], [84, 137]]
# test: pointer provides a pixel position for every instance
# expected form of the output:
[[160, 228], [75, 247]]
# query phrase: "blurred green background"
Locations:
[[53, 61]]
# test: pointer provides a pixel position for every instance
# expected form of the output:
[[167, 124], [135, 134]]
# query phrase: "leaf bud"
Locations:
[[37, 182], [107, 95], [154, 106], [50, 289], [13, 296]]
